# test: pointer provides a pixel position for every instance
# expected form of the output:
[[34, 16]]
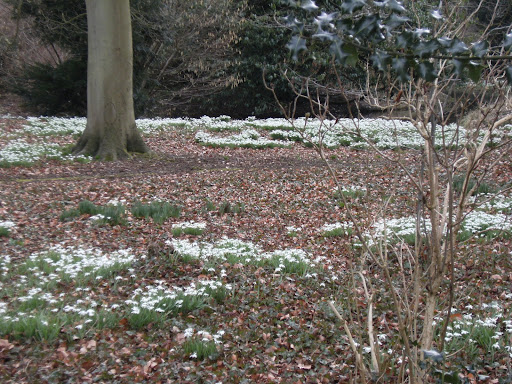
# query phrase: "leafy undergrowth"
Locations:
[[214, 264]]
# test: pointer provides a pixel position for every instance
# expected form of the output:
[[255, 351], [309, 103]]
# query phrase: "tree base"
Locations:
[[103, 150]]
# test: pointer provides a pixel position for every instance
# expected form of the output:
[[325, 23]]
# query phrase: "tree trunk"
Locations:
[[111, 131]]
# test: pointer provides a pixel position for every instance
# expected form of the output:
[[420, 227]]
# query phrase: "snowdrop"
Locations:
[[20, 151], [248, 138], [499, 204], [46, 126], [7, 224], [477, 221], [190, 224], [236, 251], [292, 229], [116, 202], [161, 298], [71, 262]]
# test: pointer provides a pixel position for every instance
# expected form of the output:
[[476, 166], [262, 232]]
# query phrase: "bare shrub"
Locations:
[[457, 120]]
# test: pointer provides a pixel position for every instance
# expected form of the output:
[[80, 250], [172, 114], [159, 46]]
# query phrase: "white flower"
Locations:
[[189, 332]]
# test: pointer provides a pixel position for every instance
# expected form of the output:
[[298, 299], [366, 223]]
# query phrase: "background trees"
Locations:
[[181, 51], [189, 57]]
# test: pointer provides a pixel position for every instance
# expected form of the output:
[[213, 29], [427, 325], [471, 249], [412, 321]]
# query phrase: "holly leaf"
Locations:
[[480, 49], [336, 49], [309, 5], [323, 35], [296, 45], [345, 54], [401, 66], [405, 40], [436, 14], [381, 60], [474, 71], [508, 74], [345, 26], [433, 355], [395, 6], [447, 376], [459, 66], [419, 32], [426, 48], [507, 43], [353, 55], [325, 18], [427, 71], [457, 47], [395, 20], [296, 25], [368, 26], [445, 41], [352, 6], [392, 5]]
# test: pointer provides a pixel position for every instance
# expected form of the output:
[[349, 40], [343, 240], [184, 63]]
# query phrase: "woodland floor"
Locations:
[[277, 326]]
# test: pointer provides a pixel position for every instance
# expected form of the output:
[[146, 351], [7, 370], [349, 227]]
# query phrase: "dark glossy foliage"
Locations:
[[62, 88], [384, 30], [55, 89], [260, 52]]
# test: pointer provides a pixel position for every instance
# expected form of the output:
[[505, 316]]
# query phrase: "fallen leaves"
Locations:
[[5, 346], [271, 323], [89, 345]]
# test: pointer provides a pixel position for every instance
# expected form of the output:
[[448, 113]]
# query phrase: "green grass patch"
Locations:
[[88, 207], [286, 136], [338, 232], [141, 319], [42, 326], [271, 127], [159, 211], [112, 214], [69, 214], [482, 188], [350, 193], [199, 349], [233, 251], [210, 206], [49, 295], [4, 232], [178, 231], [226, 208]]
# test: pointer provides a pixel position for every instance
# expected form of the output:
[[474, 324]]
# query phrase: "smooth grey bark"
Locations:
[[110, 132]]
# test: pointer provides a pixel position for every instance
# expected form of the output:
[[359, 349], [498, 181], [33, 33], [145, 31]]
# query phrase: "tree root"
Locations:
[[91, 145]]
